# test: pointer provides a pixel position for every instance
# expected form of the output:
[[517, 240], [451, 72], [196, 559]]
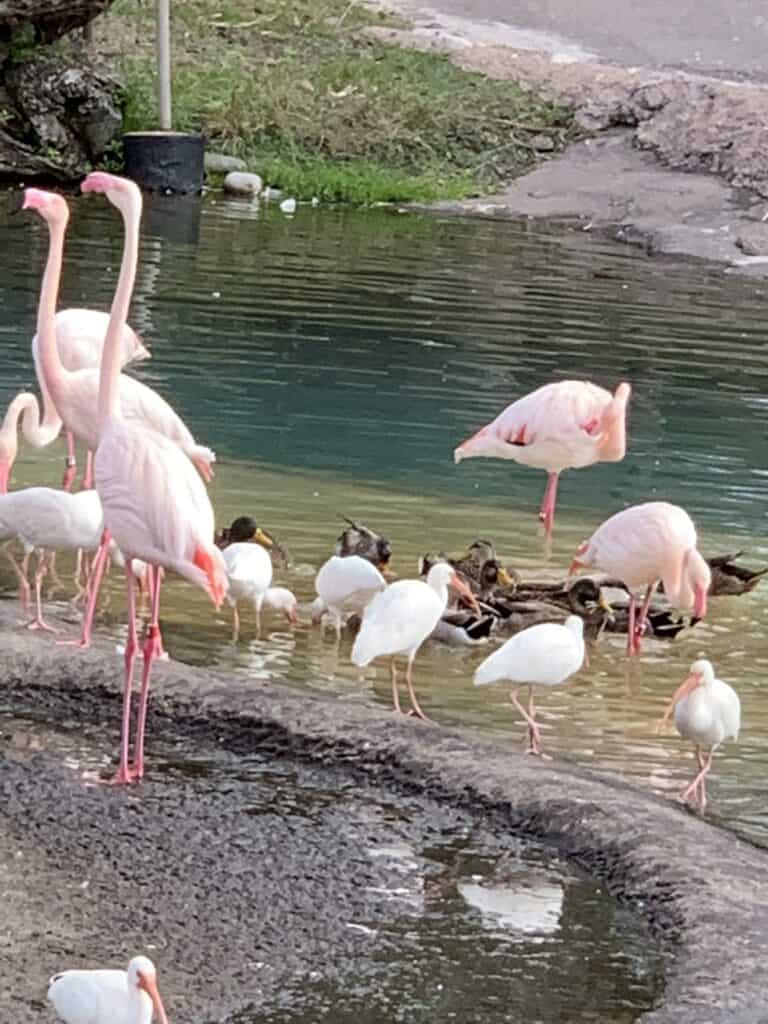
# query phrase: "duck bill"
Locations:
[[687, 686], [262, 538], [463, 590], [504, 578], [606, 606], [149, 985]]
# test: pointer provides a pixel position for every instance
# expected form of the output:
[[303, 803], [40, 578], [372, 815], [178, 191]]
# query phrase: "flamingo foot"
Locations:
[[39, 623], [123, 777], [82, 642]]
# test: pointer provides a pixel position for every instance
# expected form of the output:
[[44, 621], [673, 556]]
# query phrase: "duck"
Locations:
[[479, 566], [583, 597], [729, 579], [244, 529], [358, 539]]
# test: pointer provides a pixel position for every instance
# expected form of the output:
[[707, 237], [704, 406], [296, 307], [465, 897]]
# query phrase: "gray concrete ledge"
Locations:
[[701, 888]]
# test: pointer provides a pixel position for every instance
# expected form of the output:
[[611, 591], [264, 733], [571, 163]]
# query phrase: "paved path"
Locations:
[[716, 37]]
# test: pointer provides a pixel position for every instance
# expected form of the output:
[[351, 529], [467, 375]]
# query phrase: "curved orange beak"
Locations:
[[687, 686], [575, 566], [149, 985], [464, 591]]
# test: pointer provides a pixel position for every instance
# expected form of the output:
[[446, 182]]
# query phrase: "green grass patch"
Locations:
[[317, 107]]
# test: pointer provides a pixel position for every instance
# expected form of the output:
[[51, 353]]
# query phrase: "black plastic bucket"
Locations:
[[165, 161]]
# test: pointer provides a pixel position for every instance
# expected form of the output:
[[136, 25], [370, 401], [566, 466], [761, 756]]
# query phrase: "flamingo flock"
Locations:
[[144, 501]]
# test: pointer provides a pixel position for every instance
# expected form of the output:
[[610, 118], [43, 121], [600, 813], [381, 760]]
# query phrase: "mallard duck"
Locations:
[[360, 540], [481, 569], [730, 579], [244, 529], [583, 597]]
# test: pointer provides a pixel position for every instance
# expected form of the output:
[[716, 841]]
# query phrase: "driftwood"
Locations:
[[49, 19]]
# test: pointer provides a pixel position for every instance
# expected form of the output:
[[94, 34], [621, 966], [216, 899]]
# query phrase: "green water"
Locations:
[[334, 360]]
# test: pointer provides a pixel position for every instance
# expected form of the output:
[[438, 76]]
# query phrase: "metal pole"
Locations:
[[164, 63]]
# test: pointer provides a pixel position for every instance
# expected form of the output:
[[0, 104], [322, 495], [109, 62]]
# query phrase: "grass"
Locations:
[[317, 107]]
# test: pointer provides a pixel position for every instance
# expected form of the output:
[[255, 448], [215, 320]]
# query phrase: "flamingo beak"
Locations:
[[504, 578], [464, 591], [688, 684], [575, 566], [149, 985], [699, 601]]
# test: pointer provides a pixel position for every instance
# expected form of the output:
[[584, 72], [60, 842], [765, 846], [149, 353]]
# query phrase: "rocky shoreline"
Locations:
[[700, 888]]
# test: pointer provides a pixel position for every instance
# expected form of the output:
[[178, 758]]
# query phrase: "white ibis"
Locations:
[[108, 996], [542, 655], [345, 584]]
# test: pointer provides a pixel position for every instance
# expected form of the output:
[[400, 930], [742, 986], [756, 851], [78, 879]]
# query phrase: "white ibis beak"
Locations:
[[149, 984], [687, 685], [463, 589], [293, 618]]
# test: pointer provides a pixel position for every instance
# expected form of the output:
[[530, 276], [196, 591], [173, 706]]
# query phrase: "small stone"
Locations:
[[747, 247], [220, 163], [543, 143], [240, 183], [288, 206], [271, 194]]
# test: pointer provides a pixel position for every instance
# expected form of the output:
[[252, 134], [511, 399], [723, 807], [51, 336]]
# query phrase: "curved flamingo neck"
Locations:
[[111, 358], [24, 406], [52, 372]]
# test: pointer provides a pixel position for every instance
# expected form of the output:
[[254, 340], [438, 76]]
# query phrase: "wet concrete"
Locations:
[[677, 162], [700, 888]]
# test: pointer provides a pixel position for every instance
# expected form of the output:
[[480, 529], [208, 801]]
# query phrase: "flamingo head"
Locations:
[[485, 444], [142, 977], [580, 562], [51, 206], [692, 587], [121, 192]]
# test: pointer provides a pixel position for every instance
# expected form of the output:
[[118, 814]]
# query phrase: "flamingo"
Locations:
[[79, 341], [76, 394], [155, 504], [344, 584], [707, 712], [645, 544], [544, 655], [108, 996], [249, 572], [400, 618], [565, 425], [43, 518]]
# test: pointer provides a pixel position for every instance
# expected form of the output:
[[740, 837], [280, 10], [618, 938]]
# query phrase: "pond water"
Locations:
[[334, 360], [450, 921]]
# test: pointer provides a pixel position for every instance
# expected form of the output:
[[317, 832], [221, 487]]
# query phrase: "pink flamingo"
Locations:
[[75, 394], [565, 425], [155, 504], [645, 544], [79, 341]]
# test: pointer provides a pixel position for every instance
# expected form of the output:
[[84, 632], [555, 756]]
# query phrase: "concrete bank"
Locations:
[[700, 888], [678, 161]]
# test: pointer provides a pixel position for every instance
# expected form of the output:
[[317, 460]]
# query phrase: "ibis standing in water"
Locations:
[[707, 712], [108, 996], [542, 655], [400, 618]]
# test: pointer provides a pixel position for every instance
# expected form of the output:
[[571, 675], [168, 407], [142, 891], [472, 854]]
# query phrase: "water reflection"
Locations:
[[335, 359]]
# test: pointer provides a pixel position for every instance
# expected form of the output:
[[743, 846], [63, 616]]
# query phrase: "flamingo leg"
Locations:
[[699, 783], [639, 627], [94, 583], [534, 734], [547, 513], [87, 483], [631, 625], [153, 648], [152, 572], [70, 462], [21, 574], [125, 773], [40, 570], [395, 693], [412, 693]]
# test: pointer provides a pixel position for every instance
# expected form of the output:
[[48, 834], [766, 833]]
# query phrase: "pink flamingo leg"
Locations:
[[70, 462], [39, 622], [640, 623], [94, 583], [125, 774], [631, 625], [153, 648], [152, 572], [547, 513], [87, 483]]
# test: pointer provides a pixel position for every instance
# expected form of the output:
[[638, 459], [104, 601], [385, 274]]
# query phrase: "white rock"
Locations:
[[288, 206], [219, 163], [239, 183]]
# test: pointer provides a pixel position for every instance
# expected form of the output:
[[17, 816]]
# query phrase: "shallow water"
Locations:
[[334, 360], [456, 923]]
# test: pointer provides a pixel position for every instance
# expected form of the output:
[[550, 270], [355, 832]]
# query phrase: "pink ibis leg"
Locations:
[[39, 622], [153, 648], [21, 571], [547, 513], [125, 774], [235, 624], [70, 462], [699, 781], [412, 693], [395, 693], [534, 735]]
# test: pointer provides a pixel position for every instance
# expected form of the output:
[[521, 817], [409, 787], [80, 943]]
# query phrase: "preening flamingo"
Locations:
[[645, 544], [565, 425], [79, 340], [345, 585], [544, 655], [155, 505], [249, 573], [707, 712], [400, 618], [108, 996], [76, 394]]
